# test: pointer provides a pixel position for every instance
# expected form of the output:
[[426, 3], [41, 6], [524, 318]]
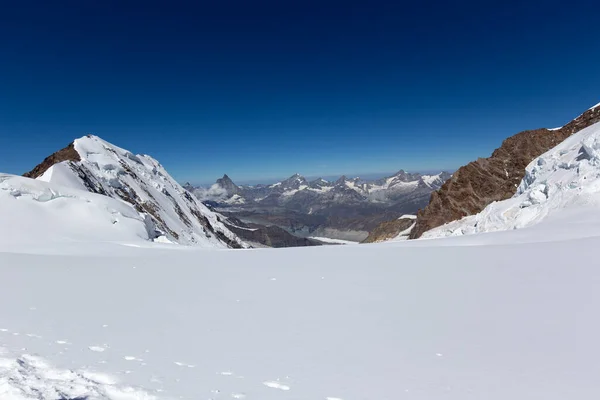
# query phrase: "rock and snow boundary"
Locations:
[[565, 177], [97, 166]]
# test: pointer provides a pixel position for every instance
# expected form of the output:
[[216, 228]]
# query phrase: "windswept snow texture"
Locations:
[[566, 177], [143, 182], [35, 215], [454, 319]]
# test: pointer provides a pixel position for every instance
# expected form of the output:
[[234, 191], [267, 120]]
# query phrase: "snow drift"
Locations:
[[407, 320]]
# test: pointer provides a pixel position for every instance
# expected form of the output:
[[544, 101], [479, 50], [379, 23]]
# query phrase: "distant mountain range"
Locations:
[[347, 208]]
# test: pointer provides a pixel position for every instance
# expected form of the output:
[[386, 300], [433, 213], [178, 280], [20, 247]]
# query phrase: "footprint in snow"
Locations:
[[276, 385], [62, 342], [97, 349]]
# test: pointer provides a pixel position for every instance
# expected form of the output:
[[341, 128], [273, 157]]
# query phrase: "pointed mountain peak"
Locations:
[[226, 183], [342, 179], [293, 182], [318, 183], [97, 166], [295, 176]]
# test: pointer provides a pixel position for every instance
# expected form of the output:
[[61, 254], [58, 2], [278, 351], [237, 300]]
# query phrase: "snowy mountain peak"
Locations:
[[318, 183], [293, 182], [341, 180], [95, 165]]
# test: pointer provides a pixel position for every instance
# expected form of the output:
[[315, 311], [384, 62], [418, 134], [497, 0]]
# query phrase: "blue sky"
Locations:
[[261, 90]]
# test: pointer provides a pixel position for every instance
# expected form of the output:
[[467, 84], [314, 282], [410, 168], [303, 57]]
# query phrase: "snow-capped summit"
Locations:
[[318, 183], [294, 182], [94, 165]]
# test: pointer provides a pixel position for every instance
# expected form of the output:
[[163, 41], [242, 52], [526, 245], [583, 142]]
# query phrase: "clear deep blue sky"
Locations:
[[264, 89]]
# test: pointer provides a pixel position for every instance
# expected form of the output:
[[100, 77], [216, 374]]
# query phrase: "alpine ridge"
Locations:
[[563, 179], [479, 183], [94, 165]]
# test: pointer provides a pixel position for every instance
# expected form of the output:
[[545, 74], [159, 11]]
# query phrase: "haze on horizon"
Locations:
[[260, 91]]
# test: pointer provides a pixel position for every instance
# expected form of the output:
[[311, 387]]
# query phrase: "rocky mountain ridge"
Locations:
[[479, 183]]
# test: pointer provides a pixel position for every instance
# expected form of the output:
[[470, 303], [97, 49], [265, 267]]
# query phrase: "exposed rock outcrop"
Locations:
[[389, 230], [67, 154], [479, 183], [270, 236]]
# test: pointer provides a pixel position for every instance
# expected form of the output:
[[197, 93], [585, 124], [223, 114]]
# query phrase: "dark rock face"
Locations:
[[388, 230], [226, 183], [481, 182], [271, 236], [67, 154]]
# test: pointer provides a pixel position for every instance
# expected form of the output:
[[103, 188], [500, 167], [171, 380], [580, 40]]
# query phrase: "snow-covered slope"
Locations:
[[568, 176], [34, 213], [100, 167], [447, 319]]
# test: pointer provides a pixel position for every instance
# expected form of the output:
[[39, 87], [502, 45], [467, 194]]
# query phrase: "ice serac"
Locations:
[[35, 214], [92, 164], [481, 182], [564, 178]]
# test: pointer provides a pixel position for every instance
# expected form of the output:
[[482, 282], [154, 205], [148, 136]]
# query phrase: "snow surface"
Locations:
[[568, 176], [37, 215], [507, 315], [332, 241], [112, 316]]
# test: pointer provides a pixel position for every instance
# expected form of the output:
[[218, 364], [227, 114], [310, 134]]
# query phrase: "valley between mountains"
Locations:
[[118, 283]]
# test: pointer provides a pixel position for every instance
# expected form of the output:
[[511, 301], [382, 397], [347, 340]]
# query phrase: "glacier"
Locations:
[[504, 315]]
